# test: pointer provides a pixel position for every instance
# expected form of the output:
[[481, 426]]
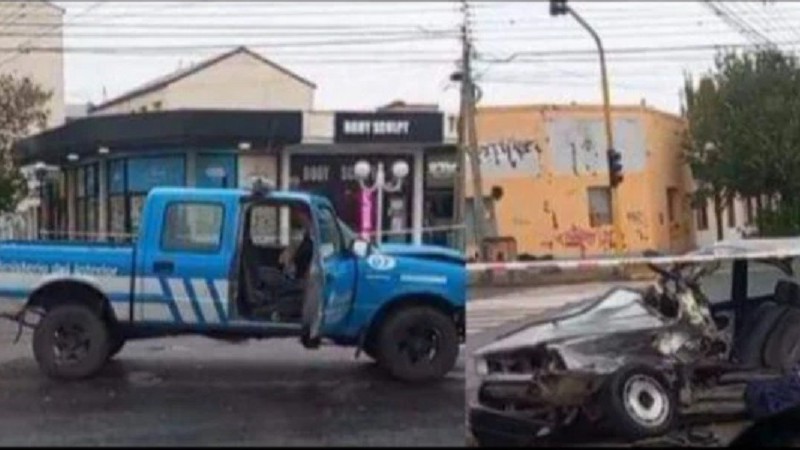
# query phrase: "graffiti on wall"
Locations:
[[510, 157], [584, 239]]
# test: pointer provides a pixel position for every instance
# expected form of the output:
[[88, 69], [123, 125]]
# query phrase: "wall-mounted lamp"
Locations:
[[72, 157], [244, 146], [103, 150]]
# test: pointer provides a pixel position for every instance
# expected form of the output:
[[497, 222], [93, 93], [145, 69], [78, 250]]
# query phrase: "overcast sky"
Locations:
[[365, 54]]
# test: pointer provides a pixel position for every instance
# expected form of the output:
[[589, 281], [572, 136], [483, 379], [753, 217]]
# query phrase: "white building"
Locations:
[[35, 23], [30, 24], [239, 79], [738, 220]]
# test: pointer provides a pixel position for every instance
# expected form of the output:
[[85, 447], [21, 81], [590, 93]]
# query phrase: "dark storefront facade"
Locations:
[[108, 164], [381, 138]]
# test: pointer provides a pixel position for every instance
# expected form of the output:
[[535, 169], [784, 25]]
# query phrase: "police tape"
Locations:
[[610, 263]]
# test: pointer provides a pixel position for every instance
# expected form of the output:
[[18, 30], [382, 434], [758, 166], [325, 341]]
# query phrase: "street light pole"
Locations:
[[618, 237]]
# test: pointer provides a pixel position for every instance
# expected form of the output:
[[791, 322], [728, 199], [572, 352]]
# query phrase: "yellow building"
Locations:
[[546, 168]]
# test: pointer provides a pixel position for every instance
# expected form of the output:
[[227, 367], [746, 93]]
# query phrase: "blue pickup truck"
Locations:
[[226, 264]]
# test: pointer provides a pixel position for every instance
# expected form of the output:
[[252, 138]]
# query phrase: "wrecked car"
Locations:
[[632, 363]]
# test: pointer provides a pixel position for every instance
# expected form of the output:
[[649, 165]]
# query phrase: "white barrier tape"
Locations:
[[619, 262]]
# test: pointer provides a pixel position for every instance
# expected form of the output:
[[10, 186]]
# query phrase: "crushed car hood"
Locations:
[[424, 251], [618, 312]]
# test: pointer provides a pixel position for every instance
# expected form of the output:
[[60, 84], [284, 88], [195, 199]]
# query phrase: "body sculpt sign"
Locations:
[[388, 127]]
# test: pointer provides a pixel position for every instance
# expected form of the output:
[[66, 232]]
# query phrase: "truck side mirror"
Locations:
[[360, 248]]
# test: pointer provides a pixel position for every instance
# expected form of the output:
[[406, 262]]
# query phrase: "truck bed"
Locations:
[[26, 264]]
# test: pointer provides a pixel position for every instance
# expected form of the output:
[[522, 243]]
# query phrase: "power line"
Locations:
[[255, 34], [738, 24], [85, 11], [161, 48]]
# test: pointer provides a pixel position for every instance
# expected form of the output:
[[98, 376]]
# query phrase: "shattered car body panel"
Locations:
[[536, 378], [582, 340]]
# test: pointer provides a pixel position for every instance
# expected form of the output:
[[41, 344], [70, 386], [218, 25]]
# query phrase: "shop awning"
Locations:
[[161, 130]]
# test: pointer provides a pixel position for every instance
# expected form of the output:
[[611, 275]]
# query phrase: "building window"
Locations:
[[748, 203], [599, 206], [129, 181], [672, 204], [731, 206], [86, 201], [702, 215]]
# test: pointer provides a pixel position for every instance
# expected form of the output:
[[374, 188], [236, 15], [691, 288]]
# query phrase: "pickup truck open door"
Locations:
[[332, 278]]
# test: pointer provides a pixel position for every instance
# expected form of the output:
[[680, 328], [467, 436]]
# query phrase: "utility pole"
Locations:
[[468, 139], [560, 7]]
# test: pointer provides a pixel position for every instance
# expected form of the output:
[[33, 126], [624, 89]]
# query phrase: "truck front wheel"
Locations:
[[71, 342], [418, 344]]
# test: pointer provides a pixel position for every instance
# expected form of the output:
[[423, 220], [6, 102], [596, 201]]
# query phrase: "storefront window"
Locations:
[[438, 216], [216, 170], [86, 203], [129, 181], [333, 177]]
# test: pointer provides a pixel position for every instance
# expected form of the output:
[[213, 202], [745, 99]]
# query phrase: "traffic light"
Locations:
[[614, 167], [558, 7]]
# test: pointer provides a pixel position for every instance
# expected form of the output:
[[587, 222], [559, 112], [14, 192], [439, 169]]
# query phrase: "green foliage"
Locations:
[[744, 132], [781, 222], [22, 111]]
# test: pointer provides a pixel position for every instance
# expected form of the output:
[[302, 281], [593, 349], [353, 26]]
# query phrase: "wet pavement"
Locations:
[[195, 391]]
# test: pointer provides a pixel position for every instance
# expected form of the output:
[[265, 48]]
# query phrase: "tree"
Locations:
[[744, 132], [22, 111], [702, 146]]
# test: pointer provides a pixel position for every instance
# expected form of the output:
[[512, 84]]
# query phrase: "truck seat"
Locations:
[[757, 332]]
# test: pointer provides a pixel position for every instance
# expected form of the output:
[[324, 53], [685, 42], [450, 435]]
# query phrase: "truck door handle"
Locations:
[[165, 267]]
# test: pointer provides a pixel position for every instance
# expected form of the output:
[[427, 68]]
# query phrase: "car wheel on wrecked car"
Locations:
[[638, 403], [71, 342], [417, 344]]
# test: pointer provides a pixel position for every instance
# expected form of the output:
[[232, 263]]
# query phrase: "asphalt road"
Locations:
[[195, 391]]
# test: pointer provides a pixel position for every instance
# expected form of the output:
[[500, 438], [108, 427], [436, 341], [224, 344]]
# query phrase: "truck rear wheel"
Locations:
[[417, 344], [115, 347], [71, 342]]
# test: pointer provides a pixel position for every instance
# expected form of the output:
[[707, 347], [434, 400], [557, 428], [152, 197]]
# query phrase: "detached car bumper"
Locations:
[[491, 427]]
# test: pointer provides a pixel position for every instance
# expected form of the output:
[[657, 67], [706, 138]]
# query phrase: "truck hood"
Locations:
[[430, 252]]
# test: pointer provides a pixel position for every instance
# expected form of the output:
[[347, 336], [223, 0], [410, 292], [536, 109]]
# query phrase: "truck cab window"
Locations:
[[192, 227], [330, 238]]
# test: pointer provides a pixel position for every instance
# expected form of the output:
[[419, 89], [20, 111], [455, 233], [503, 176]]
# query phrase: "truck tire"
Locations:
[[71, 342], [638, 403], [417, 344], [115, 347]]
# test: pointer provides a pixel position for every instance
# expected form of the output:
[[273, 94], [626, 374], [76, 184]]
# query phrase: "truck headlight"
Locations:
[[481, 367]]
